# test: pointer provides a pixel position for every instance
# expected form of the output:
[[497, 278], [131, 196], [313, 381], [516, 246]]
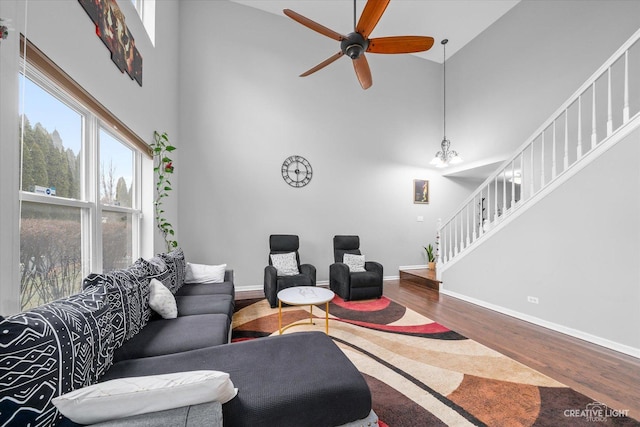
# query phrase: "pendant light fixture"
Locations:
[[445, 156]]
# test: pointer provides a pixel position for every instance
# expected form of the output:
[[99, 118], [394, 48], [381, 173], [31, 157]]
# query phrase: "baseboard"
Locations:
[[594, 339]]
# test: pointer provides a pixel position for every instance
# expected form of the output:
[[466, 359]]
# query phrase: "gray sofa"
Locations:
[[299, 379]]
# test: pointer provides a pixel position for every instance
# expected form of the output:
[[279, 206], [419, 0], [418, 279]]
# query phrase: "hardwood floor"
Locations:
[[605, 375]]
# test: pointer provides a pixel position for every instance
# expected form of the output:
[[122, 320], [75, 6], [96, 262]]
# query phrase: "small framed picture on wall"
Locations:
[[420, 191]]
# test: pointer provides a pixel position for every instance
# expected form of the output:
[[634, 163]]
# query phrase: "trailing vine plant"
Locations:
[[163, 167]]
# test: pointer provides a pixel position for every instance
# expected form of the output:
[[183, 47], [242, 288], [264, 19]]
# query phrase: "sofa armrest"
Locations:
[[339, 279], [228, 275], [271, 285], [205, 414], [309, 270], [373, 266]]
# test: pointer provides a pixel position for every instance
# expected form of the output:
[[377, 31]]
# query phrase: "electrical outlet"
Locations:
[[420, 218], [533, 300]]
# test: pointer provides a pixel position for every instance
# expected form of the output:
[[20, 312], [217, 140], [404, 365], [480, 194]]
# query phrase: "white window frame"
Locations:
[[89, 202]]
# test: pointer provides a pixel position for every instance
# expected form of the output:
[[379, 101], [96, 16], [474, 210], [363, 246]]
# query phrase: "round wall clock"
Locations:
[[296, 171]]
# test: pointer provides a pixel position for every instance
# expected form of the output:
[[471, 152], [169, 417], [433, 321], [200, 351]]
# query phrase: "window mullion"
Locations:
[[92, 245]]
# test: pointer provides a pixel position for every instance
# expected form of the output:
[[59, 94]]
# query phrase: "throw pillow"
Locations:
[[201, 273], [173, 276], [354, 262], [125, 397], [50, 350], [162, 301], [285, 264]]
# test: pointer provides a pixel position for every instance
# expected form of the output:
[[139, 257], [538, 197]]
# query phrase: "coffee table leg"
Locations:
[[326, 319], [280, 316], [311, 314]]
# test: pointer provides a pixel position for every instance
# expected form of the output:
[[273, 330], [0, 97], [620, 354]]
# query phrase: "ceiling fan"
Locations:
[[355, 44]]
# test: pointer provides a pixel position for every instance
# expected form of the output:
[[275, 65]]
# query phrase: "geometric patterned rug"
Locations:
[[422, 374]]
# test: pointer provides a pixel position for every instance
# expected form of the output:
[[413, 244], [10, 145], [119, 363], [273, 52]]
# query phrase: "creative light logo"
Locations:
[[596, 412]]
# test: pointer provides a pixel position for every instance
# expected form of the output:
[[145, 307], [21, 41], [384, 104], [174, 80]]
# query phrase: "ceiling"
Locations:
[[457, 20]]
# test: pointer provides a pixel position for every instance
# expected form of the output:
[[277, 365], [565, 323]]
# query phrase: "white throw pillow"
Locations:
[[125, 397], [201, 273], [162, 301], [286, 264], [354, 262]]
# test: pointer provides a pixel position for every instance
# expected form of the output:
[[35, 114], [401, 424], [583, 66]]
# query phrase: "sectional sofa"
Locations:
[[108, 337]]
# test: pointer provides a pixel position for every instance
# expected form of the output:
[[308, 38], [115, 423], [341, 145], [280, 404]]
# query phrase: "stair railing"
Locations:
[[600, 108]]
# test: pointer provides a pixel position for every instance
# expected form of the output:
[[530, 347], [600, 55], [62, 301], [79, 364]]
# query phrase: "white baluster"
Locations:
[[450, 242], [625, 109], [475, 231], [495, 207], [455, 231], [579, 148], [487, 204], [553, 151], [542, 163], [531, 179], [566, 140], [468, 230], [609, 107], [513, 185], [438, 242], [594, 134], [522, 179], [504, 192]]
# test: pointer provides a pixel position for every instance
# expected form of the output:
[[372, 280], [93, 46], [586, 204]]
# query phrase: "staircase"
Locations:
[[603, 111]]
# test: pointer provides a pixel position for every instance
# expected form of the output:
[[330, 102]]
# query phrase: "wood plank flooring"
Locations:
[[605, 375]]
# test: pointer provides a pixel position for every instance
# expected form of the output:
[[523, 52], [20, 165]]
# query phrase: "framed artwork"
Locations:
[[114, 33], [420, 191]]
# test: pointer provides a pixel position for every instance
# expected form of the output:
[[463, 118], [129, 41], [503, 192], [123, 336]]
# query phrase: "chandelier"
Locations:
[[445, 156]]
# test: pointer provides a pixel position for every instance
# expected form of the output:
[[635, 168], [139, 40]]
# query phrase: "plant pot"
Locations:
[[432, 265]]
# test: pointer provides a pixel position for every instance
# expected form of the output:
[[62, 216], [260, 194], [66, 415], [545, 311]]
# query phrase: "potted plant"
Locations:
[[430, 257]]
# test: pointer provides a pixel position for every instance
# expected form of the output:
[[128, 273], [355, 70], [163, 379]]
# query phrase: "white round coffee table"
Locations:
[[305, 295]]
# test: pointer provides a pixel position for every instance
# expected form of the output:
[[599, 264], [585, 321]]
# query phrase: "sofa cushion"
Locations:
[[364, 279], [224, 288], [51, 350], [125, 397], [205, 304], [165, 336], [311, 373]]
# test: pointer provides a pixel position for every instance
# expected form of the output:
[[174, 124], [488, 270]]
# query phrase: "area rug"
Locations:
[[423, 374]]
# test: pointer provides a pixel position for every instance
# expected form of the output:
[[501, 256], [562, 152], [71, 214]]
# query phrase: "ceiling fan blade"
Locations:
[[322, 64], [400, 44], [363, 72], [313, 25], [371, 14]]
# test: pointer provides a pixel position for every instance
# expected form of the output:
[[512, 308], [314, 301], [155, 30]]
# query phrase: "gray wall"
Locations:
[[244, 110], [576, 250]]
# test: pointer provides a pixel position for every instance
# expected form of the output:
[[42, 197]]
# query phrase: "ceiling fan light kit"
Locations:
[[355, 44]]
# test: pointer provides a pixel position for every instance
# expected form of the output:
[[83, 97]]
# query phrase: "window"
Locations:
[[79, 192], [147, 11]]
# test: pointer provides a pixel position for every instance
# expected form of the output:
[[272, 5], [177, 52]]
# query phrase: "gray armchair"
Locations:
[[273, 283], [353, 285]]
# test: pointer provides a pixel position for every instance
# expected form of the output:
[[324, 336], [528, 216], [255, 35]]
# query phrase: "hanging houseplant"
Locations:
[[163, 167]]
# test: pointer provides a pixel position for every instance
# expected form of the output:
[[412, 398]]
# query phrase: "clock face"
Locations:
[[296, 171]]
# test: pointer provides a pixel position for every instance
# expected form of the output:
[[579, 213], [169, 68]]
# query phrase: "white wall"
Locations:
[[66, 34], [576, 250], [506, 82], [244, 110]]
